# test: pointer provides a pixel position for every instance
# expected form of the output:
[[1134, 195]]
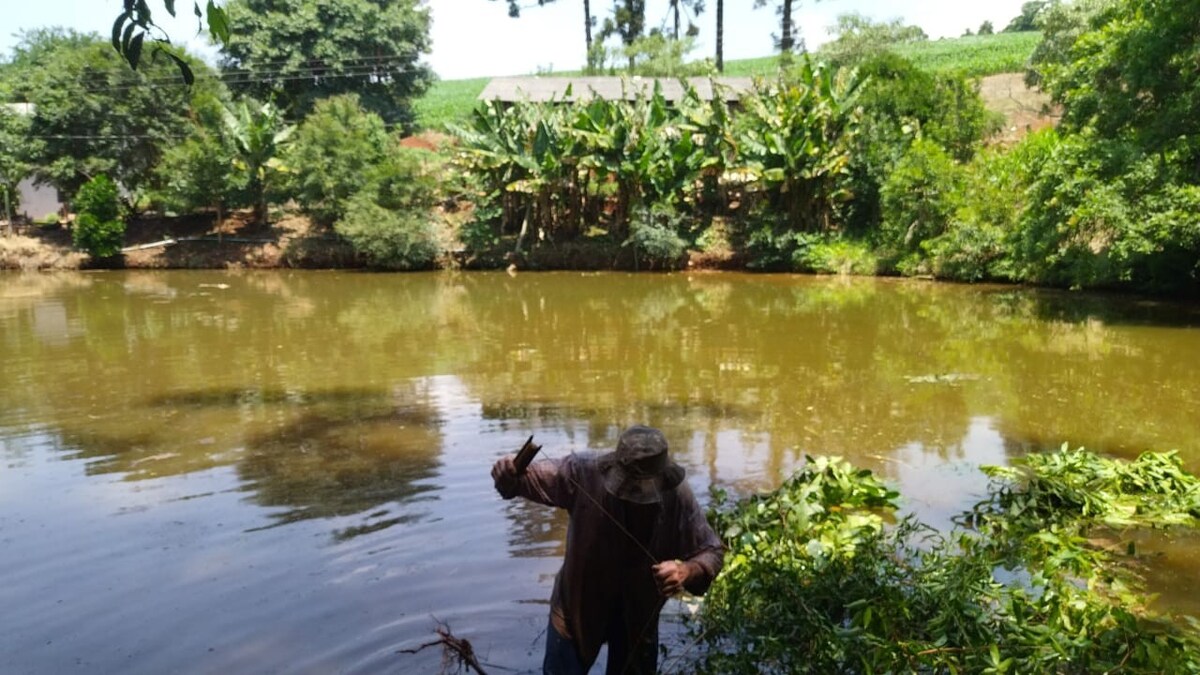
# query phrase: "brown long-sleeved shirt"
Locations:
[[604, 570]]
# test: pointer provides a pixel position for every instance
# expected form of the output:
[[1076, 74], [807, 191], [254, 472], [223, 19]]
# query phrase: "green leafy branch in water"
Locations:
[[821, 577]]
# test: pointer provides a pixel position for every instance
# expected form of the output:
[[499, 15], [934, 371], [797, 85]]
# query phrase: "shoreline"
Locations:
[[294, 242]]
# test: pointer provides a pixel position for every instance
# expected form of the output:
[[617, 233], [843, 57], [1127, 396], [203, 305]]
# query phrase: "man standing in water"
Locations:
[[636, 537]]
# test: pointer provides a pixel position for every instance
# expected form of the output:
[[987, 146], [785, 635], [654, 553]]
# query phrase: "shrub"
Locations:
[[100, 198], [100, 238], [901, 104], [655, 239], [98, 227], [817, 580], [391, 221], [920, 196], [332, 155], [400, 240], [837, 256], [199, 173], [976, 245], [769, 249]]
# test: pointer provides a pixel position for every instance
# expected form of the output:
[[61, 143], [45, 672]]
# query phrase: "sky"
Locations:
[[476, 38]]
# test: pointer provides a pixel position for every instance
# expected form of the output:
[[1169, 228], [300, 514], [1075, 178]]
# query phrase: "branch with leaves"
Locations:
[[136, 22]]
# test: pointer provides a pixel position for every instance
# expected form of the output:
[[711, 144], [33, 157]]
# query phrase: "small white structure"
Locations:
[[556, 88], [37, 201]]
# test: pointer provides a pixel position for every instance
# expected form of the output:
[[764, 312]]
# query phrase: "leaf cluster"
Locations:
[[99, 229], [562, 169], [818, 579], [391, 221], [136, 21], [297, 52]]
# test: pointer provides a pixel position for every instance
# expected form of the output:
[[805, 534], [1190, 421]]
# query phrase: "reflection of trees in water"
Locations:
[[808, 365], [317, 454], [346, 457], [811, 365], [834, 367]]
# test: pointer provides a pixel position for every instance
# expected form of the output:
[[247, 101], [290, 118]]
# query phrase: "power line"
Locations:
[[265, 77]]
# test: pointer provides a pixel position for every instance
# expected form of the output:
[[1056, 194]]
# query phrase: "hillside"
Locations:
[[450, 101]]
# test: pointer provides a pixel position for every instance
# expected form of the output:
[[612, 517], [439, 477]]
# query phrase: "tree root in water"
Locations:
[[455, 649]]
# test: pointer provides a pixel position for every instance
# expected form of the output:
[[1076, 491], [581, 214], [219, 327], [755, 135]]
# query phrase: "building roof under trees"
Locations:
[[567, 89]]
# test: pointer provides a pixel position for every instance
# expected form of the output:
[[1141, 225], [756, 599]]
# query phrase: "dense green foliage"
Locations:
[[13, 167], [578, 170], [331, 154], [819, 577], [390, 221], [94, 115], [98, 228], [202, 171], [297, 52], [794, 169], [881, 166]]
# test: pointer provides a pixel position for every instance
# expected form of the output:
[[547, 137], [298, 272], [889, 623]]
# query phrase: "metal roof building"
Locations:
[[548, 89]]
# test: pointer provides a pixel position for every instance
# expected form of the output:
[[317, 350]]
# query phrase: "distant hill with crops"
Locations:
[[450, 101]]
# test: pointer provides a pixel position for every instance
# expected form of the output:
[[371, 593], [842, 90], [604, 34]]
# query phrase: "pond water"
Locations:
[[288, 472]]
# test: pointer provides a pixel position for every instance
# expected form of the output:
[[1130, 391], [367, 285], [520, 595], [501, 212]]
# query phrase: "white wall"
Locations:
[[36, 201]]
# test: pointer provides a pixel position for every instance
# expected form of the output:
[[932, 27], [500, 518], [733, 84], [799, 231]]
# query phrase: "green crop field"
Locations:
[[447, 101], [450, 101], [977, 55]]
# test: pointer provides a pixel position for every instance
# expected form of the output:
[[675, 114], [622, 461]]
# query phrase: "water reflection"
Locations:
[[344, 457], [348, 421]]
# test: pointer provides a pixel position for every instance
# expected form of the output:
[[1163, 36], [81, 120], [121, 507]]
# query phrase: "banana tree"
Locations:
[[259, 135], [794, 140]]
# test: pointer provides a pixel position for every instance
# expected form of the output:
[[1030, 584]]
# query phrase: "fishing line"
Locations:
[[653, 618], [605, 511]]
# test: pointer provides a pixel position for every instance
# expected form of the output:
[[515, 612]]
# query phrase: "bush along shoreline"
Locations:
[[1041, 575], [867, 165]]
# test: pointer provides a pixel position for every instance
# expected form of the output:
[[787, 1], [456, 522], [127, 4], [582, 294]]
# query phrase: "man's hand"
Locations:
[[671, 576], [504, 475]]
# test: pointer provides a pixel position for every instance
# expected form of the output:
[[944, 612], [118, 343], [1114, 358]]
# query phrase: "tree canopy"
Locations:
[[858, 37], [1136, 71], [299, 51], [92, 114]]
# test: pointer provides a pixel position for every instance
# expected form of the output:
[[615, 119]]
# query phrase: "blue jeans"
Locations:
[[562, 657]]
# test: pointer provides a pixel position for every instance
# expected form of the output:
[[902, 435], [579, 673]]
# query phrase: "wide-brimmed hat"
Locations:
[[639, 470]]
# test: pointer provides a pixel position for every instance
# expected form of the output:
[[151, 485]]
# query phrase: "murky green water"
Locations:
[[288, 472]]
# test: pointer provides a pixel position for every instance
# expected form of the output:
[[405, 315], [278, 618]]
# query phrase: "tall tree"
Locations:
[[720, 36], [300, 51], [786, 40], [681, 7], [628, 21], [1027, 20], [92, 114], [1133, 74]]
